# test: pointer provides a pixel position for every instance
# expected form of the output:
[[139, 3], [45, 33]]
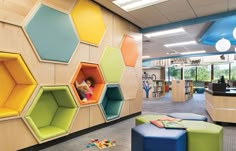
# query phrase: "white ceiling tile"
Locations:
[[150, 15], [204, 10], [173, 6], [179, 16], [200, 3]]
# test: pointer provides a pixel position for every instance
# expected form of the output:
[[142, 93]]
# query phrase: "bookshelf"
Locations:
[[158, 88], [182, 90]]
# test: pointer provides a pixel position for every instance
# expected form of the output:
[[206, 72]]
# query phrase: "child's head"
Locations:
[[90, 81]]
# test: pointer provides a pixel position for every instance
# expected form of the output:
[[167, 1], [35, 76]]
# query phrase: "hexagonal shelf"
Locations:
[[129, 83], [112, 101], [17, 85], [112, 64], [86, 70], [53, 36], [88, 21], [129, 51], [51, 112]]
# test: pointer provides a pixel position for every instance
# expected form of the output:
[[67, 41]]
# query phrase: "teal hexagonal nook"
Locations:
[[112, 101], [112, 64], [52, 34]]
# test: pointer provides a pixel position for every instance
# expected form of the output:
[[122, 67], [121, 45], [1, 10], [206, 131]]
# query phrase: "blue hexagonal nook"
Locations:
[[52, 34]]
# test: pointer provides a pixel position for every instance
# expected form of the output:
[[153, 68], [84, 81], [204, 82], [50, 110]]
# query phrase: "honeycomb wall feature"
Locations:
[[129, 83], [89, 23], [53, 36], [112, 101], [16, 85], [129, 50], [84, 71], [51, 112], [112, 64]]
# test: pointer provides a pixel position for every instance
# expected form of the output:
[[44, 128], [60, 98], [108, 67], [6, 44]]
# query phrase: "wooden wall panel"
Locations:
[[96, 116], [81, 120], [61, 5], [135, 105], [14, 11], [129, 83], [96, 52], [13, 40], [15, 135], [125, 109], [65, 73], [119, 28]]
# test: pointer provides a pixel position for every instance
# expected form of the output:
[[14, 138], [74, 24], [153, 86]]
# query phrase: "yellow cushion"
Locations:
[[19, 71], [7, 84], [19, 97], [6, 112]]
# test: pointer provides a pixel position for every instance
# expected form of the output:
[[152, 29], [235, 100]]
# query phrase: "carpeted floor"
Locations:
[[121, 132]]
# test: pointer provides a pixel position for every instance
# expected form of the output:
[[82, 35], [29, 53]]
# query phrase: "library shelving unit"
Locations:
[[182, 90], [158, 88]]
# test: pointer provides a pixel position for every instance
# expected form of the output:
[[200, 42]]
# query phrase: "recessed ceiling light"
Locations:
[[181, 44], [145, 57], [165, 32], [170, 53], [130, 5], [192, 52]]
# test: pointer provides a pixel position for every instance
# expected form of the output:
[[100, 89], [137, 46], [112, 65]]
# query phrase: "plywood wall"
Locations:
[[14, 134]]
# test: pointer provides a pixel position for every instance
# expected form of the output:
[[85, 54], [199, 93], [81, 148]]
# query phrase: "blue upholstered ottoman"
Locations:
[[188, 116], [147, 137]]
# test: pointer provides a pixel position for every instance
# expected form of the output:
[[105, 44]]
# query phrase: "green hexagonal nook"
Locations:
[[112, 101], [16, 85], [88, 21], [112, 64], [51, 112], [52, 34]]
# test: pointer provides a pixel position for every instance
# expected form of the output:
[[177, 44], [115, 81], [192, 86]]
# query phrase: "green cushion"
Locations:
[[112, 101], [50, 132], [63, 118], [64, 98], [113, 107], [52, 35], [203, 136], [114, 93], [142, 119], [112, 73], [51, 112], [111, 116], [44, 110]]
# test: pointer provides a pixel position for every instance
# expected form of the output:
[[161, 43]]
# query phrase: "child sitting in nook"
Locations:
[[85, 91]]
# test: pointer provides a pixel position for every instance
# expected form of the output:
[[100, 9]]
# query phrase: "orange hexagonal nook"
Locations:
[[84, 71], [129, 51]]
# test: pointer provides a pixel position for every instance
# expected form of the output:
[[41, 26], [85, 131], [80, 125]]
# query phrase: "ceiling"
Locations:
[[170, 12]]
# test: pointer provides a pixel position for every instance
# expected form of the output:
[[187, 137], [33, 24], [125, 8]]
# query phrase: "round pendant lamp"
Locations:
[[234, 33], [223, 45]]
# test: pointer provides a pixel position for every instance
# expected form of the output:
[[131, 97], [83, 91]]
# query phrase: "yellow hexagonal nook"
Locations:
[[88, 21]]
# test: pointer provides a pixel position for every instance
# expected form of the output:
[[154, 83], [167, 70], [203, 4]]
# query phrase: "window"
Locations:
[[174, 73], [233, 72], [204, 73], [221, 70], [190, 73]]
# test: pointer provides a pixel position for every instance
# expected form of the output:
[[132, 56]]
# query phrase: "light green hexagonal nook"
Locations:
[[112, 64], [51, 112]]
